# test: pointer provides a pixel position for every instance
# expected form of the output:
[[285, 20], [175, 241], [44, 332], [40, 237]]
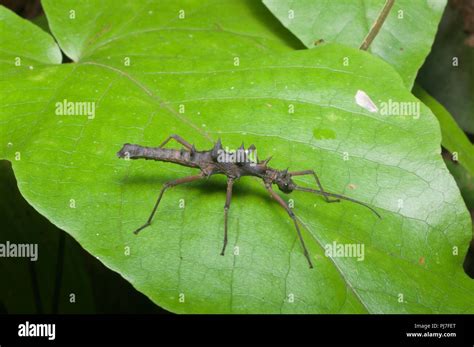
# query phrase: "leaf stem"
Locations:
[[377, 25]]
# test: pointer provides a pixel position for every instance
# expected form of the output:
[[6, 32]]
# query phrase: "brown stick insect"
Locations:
[[233, 165]]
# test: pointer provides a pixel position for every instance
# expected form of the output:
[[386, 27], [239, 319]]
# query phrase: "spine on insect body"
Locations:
[[131, 151]]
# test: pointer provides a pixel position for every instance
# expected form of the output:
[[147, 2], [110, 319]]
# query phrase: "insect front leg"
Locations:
[[230, 183], [318, 182], [292, 215], [163, 189]]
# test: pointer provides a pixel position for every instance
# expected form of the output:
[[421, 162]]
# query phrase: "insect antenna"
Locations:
[[343, 197]]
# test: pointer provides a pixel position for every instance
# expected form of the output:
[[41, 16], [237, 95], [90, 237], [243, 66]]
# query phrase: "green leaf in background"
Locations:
[[404, 40], [453, 138], [38, 48], [209, 75], [448, 74], [42, 22], [465, 182], [189, 21]]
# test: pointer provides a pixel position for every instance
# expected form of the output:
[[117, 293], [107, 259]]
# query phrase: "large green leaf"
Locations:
[[393, 163], [404, 40]]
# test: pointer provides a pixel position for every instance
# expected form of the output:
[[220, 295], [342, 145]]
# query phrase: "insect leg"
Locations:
[[163, 189], [178, 139], [230, 183], [311, 172], [292, 215], [339, 196]]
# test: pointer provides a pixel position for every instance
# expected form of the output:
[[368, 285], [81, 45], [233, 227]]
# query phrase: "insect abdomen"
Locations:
[[132, 151]]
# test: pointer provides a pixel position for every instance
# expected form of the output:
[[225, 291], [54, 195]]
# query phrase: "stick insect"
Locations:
[[211, 162]]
